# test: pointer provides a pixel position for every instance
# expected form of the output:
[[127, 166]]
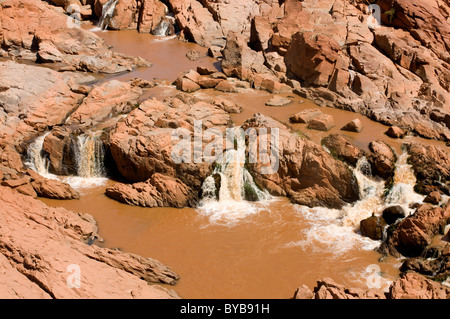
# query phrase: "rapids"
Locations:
[[229, 246]]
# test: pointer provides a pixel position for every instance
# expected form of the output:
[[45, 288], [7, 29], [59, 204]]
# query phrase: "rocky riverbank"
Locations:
[[396, 74]]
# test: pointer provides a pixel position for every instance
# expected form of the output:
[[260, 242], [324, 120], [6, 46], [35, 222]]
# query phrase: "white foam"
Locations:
[[80, 183], [230, 212]]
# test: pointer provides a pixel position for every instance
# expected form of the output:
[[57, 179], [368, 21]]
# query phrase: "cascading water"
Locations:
[[36, 160], [337, 230], [89, 153], [229, 199], [166, 27], [402, 192], [107, 13]]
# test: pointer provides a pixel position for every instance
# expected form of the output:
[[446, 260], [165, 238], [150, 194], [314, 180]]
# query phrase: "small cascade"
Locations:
[[229, 191], [36, 159], [370, 193], [166, 27], [402, 192], [90, 155], [336, 229], [107, 14]]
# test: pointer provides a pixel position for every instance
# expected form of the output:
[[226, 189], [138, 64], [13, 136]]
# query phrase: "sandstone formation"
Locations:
[[395, 73], [36, 268], [342, 148], [410, 236], [307, 174], [431, 165], [410, 286], [33, 30]]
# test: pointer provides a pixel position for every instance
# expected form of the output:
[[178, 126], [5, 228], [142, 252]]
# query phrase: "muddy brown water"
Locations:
[[263, 255]]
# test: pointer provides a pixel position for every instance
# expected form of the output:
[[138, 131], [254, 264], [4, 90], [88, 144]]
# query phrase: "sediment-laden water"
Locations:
[[233, 246]]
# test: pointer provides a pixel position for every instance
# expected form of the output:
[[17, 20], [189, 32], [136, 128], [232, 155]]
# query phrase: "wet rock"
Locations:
[[420, 265], [342, 148], [208, 82], [393, 213], [382, 159], [306, 115], [433, 198], [353, 126], [373, 227], [193, 55], [323, 122], [395, 132], [414, 233], [187, 85], [151, 14], [226, 87], [431, 165], [159, 191], [41, 271], [278, 101]]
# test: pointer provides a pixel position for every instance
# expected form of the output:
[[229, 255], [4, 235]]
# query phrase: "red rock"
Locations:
[[323, 122], [260, 34], [415, 232], [54, 189], [159, 191], [342, 148], [306, 115], [328, 184], [42, 269], [151, 13], [382, 159], [353, 126], [187, 85], [105, 101], [414, 286], [312, 58], [395, 132], [433, 198], [431, 165], [226, 86]]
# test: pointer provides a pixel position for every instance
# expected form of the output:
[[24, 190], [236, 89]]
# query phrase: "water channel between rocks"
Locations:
[[257, 250]]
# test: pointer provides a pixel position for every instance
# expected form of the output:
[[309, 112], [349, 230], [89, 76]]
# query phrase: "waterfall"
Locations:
[[230, 192], [90, 154], [336, 230], [166, 27], [36, 160], [402, 192], [107, 13]]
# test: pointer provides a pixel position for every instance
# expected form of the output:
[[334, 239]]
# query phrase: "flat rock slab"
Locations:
[[278, 101]]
